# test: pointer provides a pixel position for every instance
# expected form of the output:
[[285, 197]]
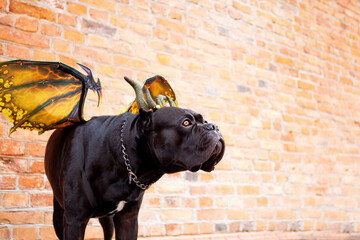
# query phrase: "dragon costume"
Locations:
[[40, 96]]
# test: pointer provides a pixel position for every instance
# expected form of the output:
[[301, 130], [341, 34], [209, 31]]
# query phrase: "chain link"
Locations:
[[132, 175]]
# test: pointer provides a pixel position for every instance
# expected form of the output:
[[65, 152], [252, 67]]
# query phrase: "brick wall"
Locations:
[[280, 78]]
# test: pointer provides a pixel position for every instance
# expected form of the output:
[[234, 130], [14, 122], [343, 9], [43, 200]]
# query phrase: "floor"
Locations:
[[267, 236]]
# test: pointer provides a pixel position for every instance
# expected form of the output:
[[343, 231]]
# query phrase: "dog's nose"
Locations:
[[211, 127]]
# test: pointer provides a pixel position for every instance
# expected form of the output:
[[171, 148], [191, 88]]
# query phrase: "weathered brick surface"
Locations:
[[280, 78]]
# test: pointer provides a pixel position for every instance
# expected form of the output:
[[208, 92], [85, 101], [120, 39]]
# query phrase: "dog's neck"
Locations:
[[142, 161]]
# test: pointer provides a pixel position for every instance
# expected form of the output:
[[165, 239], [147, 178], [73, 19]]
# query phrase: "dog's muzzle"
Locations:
[[218, 148]]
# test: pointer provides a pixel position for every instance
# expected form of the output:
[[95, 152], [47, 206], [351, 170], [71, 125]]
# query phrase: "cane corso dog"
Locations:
[[101, 169]]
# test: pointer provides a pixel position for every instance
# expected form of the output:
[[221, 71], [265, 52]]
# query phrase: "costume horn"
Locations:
[[139, 94]]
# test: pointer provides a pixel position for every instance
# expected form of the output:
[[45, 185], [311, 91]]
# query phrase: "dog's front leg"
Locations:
[[74, 228], [107, 223], [126, 221]]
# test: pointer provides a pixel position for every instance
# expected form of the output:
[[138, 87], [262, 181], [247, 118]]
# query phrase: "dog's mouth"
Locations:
[[209, 151], [213, 159]]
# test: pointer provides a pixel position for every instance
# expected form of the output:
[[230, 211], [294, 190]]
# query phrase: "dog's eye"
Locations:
[[186, 123]]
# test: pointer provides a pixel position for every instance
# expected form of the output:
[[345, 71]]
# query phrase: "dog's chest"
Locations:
[[109, 209], [119, 207]]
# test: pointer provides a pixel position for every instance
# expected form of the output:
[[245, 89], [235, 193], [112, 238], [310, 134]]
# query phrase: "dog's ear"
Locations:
[[145, 117]]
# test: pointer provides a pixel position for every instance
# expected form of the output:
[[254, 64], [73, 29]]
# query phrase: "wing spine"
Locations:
[[39, 108]]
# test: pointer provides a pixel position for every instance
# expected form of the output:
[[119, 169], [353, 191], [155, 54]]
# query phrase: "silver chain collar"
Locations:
[[132, 175]]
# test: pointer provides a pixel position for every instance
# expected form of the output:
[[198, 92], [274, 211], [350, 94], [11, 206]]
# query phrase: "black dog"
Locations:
[[101, 168]]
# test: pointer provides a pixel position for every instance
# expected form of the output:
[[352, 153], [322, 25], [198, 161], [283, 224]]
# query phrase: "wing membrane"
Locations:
[[43, 95]]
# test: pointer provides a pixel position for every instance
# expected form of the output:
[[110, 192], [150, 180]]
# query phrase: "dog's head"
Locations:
[[180, 139]]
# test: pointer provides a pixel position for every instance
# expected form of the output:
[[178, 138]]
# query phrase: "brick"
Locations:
[[263, 166], [41, 200], [106, 70], [264, 213], [17, 52], [205, 202], [3, 4], [176, 15], [306, 85], [173, 229], [105, 4], [153, 201], [95, 54], [50, 30], [23, 38], [248, 190], [286, 214], [61, 46], [21, 217], [206, 228], [242, 7], [130, 62], [172, 25], [47, 233], [188, 202], [25, 233], [99, 15], [284, 60], [68, 20], [27, 24], [121, 47], [210, 214], [212, 38], [37, 167], [98, 28], [12, 148], [236, 15], [337, 215], [225, 74], [68, 60], [222, 189], [191, 228], [11, 165], [32, 10], [6, 19], [262, 202], [2, 125], [172, 188], [206, 177], [195, 67], [220, 8], [74, 35], [163, 59], [94, 232], [13, 199], [161, 33], [346, 80], [158, 8], [143, 29], [236, 214], [118, 21], [4, 231], [155, 230], [76, 8], [176, 215], [41, 55], [31, 182]]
